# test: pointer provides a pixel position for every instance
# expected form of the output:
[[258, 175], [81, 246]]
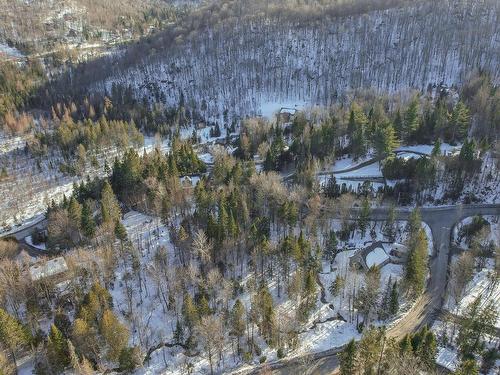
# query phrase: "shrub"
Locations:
[[281, 353]]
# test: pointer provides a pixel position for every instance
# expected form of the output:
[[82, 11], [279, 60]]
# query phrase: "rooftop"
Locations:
[[47, 269]]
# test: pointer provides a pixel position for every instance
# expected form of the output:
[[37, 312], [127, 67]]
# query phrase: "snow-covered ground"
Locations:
[[484, 284], [322, 331], [10, 143], [238, 67], [40, 246], [369, 171], [42, 182], [493, 232], [348, 162], [376, 257], [269, 108], [356, 177], [448, 358], [448, 355], [148, 234], [427, 149], [9, 51], [483, 186]]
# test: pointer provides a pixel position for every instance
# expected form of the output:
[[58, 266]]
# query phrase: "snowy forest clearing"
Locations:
[[269, 109]]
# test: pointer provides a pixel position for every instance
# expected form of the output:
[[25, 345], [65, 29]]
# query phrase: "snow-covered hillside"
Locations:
[[240, 67]]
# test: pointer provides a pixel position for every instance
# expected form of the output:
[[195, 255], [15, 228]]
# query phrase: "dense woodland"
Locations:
[[222, 245], [50, 26], [269, 59]]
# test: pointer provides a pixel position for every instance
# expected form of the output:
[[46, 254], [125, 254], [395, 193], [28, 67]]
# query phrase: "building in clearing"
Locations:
[[377, 257], [53, 268], [399, 250], [286, 115]]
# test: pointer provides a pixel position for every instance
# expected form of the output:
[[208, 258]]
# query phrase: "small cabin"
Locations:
[[53, 269], [286, 115], [399, 250]]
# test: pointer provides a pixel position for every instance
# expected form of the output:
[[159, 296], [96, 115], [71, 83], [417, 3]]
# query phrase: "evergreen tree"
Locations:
[[460, 120], [331, 188], [384, 140], [337, 285], [309, 291], [414, 222], [202, 306], [62, 322], [238, 321], [57, 350], [120, 231], [428, 349], [398, 125], [477, 322], [110, 209], [384, 311], [357, 130], [411, 119], [367, 297], [364, 216], [264, 306], [130, 359], [405, 346], [416, 266], [179, 332], [390, 224], [359, 142], [347, 359], [369, 350], [394, 299], [115, 334], [189, 312], [87, 221], [468, 154], [468, 367], [12, 334], [439, 121], [351, 125], [75, 211], [436, 150], [331, 247]]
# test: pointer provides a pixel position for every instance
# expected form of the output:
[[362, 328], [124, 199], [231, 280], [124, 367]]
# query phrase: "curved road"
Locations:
[[441, 220]]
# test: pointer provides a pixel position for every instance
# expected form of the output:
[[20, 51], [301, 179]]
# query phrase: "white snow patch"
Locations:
[[40, 246], [448, 358], [269, 108], [376, 257]]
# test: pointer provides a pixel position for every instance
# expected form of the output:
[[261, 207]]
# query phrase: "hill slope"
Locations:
[[238, 65]]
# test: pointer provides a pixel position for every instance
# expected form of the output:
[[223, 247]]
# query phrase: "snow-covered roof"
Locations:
[[207, 158], [399, 246], [290, 111], [376, 257], [447, 358], [50, 268]]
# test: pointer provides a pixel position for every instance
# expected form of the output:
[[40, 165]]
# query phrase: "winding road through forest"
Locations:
[[441, 220]]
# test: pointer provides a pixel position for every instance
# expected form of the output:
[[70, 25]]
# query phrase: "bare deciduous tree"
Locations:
[[210, 333]]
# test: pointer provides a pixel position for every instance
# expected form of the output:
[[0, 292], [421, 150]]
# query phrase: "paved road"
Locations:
[[441, 221], [21, 233]]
